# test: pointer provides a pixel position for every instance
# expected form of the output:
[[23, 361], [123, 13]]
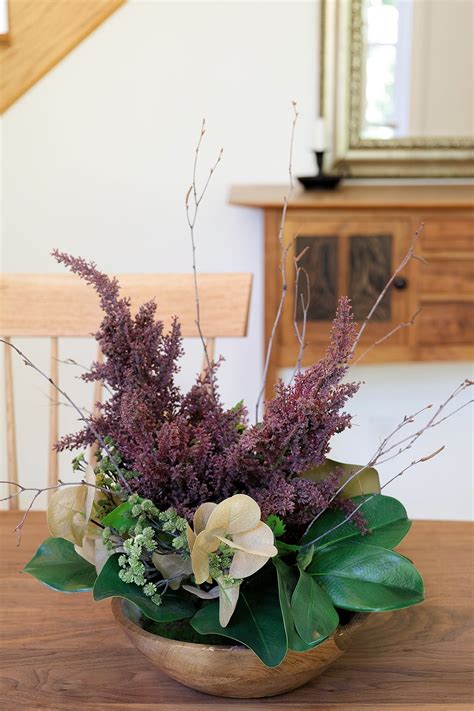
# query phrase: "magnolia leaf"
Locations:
[[67, 513], [286, 577], [57, 564], [234, 515], [304, 557], [108, 584], [228, 598], [101, 554], [201, 516], [367, 578], [87, 550], [257, 621], [385, 517], [190, 537], [246, 564], [313, 612], [204, 544], [94, 551], [172, 565], [203, 594], [367, 482]]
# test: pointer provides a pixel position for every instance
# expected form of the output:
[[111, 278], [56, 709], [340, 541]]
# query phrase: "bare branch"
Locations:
[[372, 496], [191, 218], [300, 334], [82, 417], [408, 256], [406, 324], [284, 252], [379, 456], [38, 492]]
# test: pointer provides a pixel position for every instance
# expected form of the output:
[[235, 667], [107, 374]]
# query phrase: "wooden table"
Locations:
[[63, 651]]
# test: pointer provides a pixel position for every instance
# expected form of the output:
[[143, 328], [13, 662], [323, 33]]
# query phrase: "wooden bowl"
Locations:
[[233, 671]]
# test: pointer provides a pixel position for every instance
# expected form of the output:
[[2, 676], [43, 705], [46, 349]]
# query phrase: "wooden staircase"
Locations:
[[41, 33]]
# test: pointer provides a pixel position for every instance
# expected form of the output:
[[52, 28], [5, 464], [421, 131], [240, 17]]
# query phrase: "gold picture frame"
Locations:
[[340, 103]]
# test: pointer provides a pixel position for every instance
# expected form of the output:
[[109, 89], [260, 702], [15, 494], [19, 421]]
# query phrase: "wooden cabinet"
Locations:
[[353, 239]]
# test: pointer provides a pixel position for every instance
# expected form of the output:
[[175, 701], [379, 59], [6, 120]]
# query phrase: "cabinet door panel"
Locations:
[[346, 257], [318, 256], [370, 268]]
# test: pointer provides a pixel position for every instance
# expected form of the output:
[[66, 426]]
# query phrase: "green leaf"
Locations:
[[57, 564], [257, 621], [108, 584], [286, 584], [286, 548], [276, 524], [386, 518], [367, 578], [120, 518], [367, 482], [313, 612]]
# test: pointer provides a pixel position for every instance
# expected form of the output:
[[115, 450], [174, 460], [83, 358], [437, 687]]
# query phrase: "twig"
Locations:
[[197, 199], [408, 256], [406, 324], [38, 492], [300, 334], [372, 496], [379, 456], [82, 418], [284, 252]]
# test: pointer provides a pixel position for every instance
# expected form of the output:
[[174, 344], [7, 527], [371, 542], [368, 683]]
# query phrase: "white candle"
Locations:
[[319, 136]]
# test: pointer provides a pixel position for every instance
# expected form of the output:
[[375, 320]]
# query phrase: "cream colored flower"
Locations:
[[172, 566], [235, 522], [70, 509], [93, 549]]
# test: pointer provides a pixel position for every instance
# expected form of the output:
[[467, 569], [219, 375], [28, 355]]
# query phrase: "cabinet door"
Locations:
[[354, 258]]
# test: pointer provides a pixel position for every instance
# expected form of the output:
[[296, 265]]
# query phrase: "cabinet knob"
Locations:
[[400, 283]]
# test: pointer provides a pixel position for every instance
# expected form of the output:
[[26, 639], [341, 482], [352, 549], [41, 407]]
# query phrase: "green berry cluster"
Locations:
[[176, 527], [150, 530], [219, 564]]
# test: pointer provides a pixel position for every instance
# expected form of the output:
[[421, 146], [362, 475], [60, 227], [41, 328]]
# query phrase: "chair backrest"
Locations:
[[62, 305]]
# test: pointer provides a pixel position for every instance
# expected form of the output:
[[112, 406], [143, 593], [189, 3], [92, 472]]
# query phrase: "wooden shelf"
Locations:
[[400, 197]]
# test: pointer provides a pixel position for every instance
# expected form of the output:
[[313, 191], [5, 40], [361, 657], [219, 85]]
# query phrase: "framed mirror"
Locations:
[[397, 87]]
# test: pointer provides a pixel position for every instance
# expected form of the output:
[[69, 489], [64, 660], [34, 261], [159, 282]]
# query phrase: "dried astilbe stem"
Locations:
[[28, 362], [282, 268], [191, 215]]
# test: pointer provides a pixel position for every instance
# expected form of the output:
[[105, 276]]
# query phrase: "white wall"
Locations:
[[97, 159]]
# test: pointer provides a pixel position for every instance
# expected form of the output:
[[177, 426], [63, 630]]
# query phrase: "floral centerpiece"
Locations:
[[210, 525], [216, 530]]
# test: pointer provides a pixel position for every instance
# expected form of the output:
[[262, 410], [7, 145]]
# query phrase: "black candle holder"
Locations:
[[322, 180]]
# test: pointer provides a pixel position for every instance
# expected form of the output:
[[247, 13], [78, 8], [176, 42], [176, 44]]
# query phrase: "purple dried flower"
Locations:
[[188, 448]]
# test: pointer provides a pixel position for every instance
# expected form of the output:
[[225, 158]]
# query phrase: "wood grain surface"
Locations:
[[63, 305], [66, 652]]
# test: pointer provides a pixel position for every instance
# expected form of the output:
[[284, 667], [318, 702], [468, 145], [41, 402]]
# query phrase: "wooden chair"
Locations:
[[62, 305]]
